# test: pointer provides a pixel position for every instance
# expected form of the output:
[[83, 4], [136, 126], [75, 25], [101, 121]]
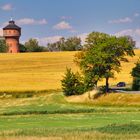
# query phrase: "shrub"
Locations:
[[136, 84], [3, 46], [72, 83], [136, 76]]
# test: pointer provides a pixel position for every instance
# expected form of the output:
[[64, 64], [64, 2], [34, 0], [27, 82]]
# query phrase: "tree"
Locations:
[[71, 83], [32, 46], [22, 48], [102, 57], [3, 46], [136, 76], [53, 47], [70, 44]]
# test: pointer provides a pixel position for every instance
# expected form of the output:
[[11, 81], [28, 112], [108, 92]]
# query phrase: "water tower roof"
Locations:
[[12, 25]]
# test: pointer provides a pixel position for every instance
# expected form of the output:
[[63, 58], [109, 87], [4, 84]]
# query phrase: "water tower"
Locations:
[[12, 33]]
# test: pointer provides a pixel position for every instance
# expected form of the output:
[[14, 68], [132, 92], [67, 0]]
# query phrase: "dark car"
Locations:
[[121, 84]]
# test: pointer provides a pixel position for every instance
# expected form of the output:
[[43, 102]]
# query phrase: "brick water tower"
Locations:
[[12, 34]]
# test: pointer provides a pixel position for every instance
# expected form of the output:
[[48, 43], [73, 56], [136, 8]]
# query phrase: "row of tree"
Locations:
[[70, 44], [100, 59], [32, 45]]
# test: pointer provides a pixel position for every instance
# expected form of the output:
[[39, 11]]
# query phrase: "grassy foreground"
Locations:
[[78, 126], [43, 71], [51, 116]]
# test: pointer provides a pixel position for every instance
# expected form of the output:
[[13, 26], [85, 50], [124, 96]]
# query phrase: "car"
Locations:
[[121, 84]]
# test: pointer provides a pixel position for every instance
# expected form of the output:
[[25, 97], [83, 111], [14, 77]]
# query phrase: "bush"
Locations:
[[136, 76], [72, 83], [136, 84]]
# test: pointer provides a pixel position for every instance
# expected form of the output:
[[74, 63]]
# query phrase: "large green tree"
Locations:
[[102, 57]]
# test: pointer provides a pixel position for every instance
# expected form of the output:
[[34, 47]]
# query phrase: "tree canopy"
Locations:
[[102, 57], [69, 44], [32, 45], [3, 46]]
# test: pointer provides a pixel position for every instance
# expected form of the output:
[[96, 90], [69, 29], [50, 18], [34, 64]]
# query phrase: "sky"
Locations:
[[49, 20]]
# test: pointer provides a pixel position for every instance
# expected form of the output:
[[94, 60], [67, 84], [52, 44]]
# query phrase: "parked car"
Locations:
[[121, 84]]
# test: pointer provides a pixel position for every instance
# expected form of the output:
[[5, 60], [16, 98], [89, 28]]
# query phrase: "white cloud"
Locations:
[[136, 15], [125, 32], [7, 7], [1, 32], [31, 21], [131, 32], [83, 37], [135, 33], [51, 39], [43, 21], [138, 44], [121, 20], [44, 41], [63, 25]]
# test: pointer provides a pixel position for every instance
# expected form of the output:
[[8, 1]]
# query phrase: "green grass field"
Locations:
[[33, 107], [111, 125], [43, 71], [50, 115]]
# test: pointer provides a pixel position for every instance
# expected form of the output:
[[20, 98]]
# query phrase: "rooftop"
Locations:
[[12, 25]]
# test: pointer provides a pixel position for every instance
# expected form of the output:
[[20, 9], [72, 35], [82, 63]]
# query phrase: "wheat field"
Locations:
[[44, 71], [33, 71]]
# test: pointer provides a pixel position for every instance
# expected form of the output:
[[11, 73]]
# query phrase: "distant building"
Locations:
[[12, 33]]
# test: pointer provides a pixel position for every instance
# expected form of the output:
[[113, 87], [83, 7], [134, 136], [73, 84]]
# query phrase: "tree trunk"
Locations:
[[96, 84], [107, 85]]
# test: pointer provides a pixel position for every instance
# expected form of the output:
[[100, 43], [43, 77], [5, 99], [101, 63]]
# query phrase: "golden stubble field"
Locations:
[[43, 71]]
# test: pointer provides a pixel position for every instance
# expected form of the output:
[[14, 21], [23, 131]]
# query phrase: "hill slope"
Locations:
[[41, 71]]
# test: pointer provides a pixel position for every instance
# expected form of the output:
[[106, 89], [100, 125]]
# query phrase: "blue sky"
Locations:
[[48, 20]]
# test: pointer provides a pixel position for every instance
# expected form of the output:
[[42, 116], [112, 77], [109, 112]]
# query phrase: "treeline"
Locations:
[[32, 45], [70, 44]]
